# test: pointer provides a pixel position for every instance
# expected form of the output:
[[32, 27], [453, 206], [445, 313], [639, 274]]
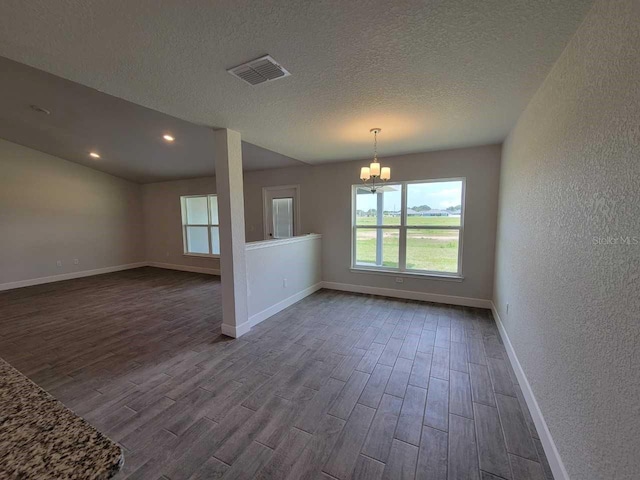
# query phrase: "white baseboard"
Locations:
[[184, 268], [409, 295], [278, 307], [100, 271], [256, 318], [555, 462], [69, 276], [235, 332]]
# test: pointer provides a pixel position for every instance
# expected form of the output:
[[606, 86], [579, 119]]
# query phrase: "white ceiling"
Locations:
[[128, 137], [432, 74]]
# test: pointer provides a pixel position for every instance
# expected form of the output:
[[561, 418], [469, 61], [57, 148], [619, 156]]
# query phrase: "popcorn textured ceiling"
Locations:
[[431, 74]]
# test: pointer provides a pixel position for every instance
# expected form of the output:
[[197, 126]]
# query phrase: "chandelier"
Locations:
[[373, 172]]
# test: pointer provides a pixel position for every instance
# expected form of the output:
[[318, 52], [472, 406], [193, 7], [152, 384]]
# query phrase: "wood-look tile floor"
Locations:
[[337, 386]]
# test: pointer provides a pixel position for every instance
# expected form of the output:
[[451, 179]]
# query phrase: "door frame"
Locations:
[[296, 208]]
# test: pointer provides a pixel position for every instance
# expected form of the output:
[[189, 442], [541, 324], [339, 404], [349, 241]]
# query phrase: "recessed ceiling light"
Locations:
[[168, 138], [94, 155], [39, 109]]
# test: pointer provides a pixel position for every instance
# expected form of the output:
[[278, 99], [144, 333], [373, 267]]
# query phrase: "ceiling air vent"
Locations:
[[259, 71]]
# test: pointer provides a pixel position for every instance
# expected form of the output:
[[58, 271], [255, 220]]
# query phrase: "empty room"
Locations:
[[320, 240]]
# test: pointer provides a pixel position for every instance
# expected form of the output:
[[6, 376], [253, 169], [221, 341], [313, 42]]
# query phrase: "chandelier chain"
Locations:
[[375, 146]]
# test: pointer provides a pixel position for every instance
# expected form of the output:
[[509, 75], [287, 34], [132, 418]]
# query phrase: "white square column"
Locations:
[[233, 265]]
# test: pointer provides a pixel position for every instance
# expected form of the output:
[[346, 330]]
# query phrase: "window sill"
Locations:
[[200, 255], [448, 277]]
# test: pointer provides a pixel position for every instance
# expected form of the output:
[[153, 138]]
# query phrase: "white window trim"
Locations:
[[184, 216], [403, 228], [407, 274]]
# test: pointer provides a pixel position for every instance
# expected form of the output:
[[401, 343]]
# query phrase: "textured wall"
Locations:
[[330, 214], [162, 216], [163, 221], [325, 192], [299, 262], [52, 209], [570, 181]]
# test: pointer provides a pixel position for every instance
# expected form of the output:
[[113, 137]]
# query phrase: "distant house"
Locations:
[[425, 213], [434, 213]]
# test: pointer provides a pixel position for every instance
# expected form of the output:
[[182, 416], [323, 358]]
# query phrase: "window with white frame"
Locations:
[[200, 225], [413, 227]]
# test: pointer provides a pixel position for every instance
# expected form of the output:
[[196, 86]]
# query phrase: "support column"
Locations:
[[233, 266]]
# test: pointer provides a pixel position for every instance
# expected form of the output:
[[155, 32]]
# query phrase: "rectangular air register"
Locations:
[[260, 70]]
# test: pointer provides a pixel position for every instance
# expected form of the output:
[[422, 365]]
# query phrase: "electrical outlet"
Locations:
[[284, 283], [59, 263], [76, 261], [399, 280]]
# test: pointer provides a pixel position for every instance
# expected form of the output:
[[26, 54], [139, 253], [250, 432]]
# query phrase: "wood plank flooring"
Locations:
[[337, 386]]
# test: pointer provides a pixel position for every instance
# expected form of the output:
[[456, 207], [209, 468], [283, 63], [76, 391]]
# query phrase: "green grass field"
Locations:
[[427, 249], [413, 221]]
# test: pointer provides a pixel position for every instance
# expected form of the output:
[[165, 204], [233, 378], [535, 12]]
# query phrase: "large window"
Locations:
[[412, 227], [200, 228]]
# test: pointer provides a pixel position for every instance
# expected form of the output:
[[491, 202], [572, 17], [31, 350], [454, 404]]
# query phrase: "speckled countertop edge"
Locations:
[[41, 438]]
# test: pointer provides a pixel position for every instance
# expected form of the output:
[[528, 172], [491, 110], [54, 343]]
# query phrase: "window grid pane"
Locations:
[[377, 247], [197, 211], [434, 203], [213, 209], [215, 240], [381, 208], [197, 239], [433, 250]]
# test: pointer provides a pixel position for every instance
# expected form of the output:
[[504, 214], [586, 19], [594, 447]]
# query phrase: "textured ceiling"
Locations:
[[432, 74], [127, 136]]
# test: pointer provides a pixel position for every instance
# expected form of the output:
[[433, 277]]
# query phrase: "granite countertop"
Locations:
[[41, 438]]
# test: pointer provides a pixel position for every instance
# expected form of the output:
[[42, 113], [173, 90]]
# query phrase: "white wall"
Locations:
[[253, 183], [52, 209], [162, 214], [325, 192], [163, 223], [571, 174], [328, 211], [272, 263]]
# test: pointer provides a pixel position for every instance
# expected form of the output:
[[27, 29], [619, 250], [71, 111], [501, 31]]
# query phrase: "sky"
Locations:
[[438, 195]]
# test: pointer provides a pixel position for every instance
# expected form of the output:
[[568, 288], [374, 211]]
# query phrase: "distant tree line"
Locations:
[[420, 208]]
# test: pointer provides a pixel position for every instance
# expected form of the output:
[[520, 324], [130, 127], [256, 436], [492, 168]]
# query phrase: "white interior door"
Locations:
[[280, 212]]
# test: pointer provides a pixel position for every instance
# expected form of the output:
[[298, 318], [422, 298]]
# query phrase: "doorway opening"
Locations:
[[281, 211]]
